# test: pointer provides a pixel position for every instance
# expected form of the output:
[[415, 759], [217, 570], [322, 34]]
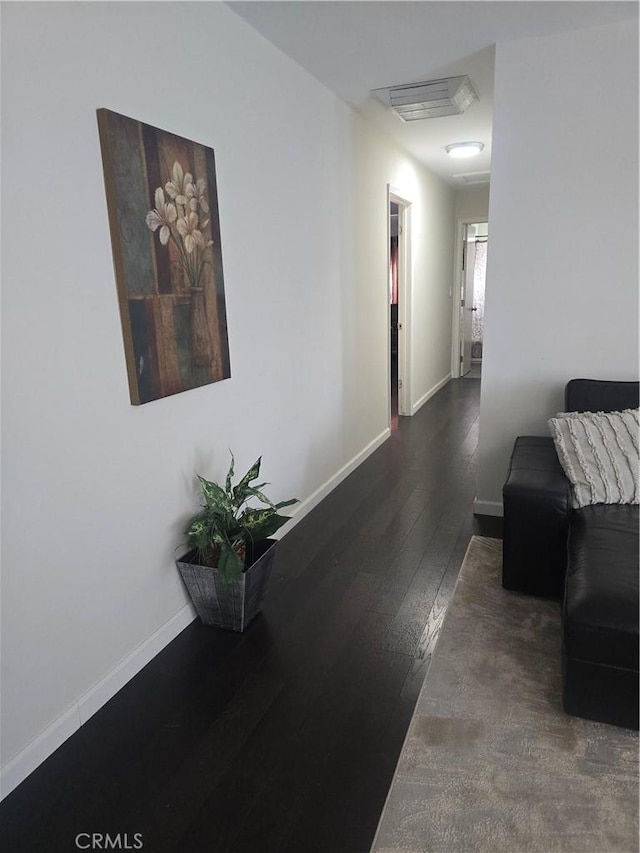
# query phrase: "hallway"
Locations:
[[284, 739]]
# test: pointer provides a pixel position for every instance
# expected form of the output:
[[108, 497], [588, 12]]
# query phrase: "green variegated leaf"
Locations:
[[290, 502], [214, 495], [253, 492], [230, 565], [196, 528], [230, 475], [253, 518], [197, 525], [260, 524], [240, 491]]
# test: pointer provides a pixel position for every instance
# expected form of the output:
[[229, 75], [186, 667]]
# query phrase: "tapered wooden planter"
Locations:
[[229, 605]]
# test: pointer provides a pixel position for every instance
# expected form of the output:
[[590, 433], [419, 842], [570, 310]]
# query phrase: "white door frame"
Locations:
[[404, 300], [458, 283]]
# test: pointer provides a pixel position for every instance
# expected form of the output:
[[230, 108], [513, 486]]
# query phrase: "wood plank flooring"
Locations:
[[284, 739]]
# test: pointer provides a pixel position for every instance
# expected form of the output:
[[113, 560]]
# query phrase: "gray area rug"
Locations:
[[491, 762]]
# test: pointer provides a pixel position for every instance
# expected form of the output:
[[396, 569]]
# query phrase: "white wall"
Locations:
[[473, 203], [95, 491], [562, 276]]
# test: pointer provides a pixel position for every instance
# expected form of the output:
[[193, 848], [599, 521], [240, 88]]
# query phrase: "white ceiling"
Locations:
[[354, 46]]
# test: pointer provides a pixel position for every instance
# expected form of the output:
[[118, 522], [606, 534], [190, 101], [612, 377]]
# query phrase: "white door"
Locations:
[[466, 298]]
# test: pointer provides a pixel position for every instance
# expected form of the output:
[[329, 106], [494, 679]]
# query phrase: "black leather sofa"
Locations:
[[588, 558]]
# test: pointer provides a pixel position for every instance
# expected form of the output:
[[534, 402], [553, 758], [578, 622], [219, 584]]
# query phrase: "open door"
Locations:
[[399, 272], [394, 236], [466, 300], [468, 308]]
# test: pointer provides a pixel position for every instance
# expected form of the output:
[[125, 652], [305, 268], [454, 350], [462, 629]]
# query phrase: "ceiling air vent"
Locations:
[[432, 99], [474, 177]]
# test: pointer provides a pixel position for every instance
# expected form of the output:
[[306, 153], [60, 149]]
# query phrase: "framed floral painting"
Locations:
[[165, 236]]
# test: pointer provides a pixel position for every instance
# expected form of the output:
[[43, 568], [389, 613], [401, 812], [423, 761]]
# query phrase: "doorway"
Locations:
[[398, 243], [468, 316], [393, 302]]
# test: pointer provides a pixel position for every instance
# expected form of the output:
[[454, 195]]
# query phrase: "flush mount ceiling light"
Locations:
[[431, 99], [464, 149]]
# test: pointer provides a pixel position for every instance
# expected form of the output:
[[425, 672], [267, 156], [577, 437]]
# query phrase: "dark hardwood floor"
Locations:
[[284, 739]]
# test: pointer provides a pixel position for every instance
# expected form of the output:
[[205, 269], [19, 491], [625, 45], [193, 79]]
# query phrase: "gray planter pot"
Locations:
[[229, 605]]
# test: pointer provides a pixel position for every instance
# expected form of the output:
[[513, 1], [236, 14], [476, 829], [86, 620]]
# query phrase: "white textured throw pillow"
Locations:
[[599, 454]]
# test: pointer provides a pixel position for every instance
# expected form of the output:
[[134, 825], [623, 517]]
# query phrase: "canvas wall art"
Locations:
[[165, 235]]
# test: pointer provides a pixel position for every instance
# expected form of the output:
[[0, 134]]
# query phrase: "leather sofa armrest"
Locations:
[[537, 511]]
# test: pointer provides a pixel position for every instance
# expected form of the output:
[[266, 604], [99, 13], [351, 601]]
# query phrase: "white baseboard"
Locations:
[[488, 508], [46, 743], [418, 405], [305, 507], [26, 761]]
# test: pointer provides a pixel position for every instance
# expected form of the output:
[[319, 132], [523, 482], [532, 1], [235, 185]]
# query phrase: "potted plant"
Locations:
[[228, 566]]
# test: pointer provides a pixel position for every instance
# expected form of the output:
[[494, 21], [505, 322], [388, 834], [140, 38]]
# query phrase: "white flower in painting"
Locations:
[[197, 197], [177, 187], [162, 217], [181, 218], [187, 227]]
